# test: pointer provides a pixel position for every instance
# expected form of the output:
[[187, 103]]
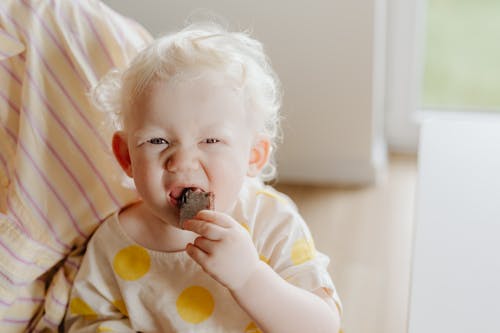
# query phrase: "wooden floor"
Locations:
[[367, 232]]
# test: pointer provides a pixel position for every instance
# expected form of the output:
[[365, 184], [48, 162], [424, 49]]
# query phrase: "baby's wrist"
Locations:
[[254, 281]]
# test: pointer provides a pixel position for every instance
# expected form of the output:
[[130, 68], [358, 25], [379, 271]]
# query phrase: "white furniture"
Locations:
[[455, 284]]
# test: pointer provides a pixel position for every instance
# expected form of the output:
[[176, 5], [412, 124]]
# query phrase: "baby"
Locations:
[[198, 110]]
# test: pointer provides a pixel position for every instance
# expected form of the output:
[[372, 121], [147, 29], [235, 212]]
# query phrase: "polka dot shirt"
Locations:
[[124, 287]]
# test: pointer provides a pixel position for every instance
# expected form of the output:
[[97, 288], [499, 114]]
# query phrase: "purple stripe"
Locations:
[[4, 303], [9, 206], [76, 37], [11, 104], [27, 194], [58, 302], [16, 220], [44, 177], [15, 321], [72, 264], [66, 94], [50, 322], [17, 284], [13, 255], [56, 42], [12, 74], [30, 299], [54, 152], [98, 37], [63, 164], [4, 33], [23, 300], [40, 213], [72, 138], [4, 55]]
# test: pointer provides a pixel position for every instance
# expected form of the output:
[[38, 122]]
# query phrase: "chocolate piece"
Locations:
[[192, 201]]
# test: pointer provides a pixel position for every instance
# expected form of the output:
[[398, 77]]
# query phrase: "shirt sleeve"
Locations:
[[284, 241]]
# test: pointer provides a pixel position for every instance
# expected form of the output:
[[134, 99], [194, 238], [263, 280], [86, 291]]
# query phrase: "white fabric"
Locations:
[[153, 301]]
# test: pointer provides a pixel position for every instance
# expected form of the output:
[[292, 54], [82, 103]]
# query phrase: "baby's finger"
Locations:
[[206, 245], [196, 253], [215, 217], [203, 228]]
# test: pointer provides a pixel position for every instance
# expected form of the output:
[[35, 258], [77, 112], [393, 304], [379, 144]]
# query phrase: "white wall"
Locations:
[[330, 58]]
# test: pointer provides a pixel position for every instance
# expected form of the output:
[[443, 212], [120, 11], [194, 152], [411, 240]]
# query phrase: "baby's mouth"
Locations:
[[178, 196]]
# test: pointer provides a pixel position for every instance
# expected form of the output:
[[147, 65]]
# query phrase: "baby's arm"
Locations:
[[226, 252], [278, 306]]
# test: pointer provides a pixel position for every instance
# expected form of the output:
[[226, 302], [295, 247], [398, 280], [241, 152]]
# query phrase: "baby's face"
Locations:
[[190, 134]]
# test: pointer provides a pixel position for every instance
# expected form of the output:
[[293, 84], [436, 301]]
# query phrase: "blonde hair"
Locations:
[[197, 48]]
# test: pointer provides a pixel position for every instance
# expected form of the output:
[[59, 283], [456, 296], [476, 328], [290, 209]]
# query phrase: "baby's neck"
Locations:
[[150, 232]]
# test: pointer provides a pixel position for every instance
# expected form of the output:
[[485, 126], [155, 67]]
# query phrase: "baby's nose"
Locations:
[[184, 159]]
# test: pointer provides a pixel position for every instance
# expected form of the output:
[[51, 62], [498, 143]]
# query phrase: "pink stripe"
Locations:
[[11, 104], [12, 74], [59, 84], [4, 55], [56, 194], [4, 303], [69, 172], [75, 37], [44, 177], [4, 33], [72, 138], [50, 322], [26, 262], [94, 169], [30, 299], [56, 42], [61, 161], [16, 219], [72, 264], [58, 302], [41, 214], [15, 321], [98, 37], [23, 300], [17, 284]]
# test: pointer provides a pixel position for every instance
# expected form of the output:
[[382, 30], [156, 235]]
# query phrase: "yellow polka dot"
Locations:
[[78, 306], [131, 263], [120, 305], [244, 225], [264, 258], [104, 329], [302, 251], [252, 328], [272, 195], [195, 304]]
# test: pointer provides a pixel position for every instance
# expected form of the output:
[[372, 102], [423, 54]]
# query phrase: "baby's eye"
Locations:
[[158, 141], [211, 140]]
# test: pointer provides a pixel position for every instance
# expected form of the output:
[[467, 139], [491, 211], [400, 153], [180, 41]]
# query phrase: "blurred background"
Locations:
[[359, 77]]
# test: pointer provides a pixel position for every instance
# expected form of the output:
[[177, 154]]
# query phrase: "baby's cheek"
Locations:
[[227, 190]]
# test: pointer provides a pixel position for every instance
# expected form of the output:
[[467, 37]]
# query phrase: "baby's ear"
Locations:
[[259, 155], [120, 149]]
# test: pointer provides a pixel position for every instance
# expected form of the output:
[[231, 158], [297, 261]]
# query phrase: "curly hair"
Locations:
[[197, 48]]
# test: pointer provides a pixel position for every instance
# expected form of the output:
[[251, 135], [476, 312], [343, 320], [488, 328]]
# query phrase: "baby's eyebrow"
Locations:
[[149, 131]]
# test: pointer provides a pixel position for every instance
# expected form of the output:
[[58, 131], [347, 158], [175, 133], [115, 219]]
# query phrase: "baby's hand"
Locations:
[[224, 249]]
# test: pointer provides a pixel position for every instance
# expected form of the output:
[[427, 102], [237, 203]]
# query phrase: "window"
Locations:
[[461, 58], [442, 55]]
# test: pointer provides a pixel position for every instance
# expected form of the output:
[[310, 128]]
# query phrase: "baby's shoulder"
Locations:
[[258, 196], [263, 207]]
